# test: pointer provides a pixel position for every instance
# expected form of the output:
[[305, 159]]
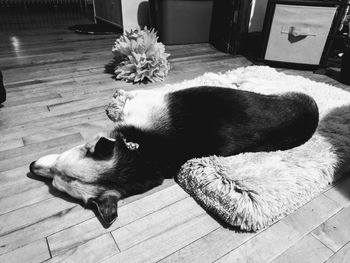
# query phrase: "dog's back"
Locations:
[[204, 121]]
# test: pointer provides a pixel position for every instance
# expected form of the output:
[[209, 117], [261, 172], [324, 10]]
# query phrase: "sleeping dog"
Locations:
[[156, 132]]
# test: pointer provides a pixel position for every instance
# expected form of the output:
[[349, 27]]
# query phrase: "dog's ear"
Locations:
[[107, 206], [104, 147]]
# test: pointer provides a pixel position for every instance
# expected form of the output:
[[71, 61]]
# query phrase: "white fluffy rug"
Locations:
[[252, 190]]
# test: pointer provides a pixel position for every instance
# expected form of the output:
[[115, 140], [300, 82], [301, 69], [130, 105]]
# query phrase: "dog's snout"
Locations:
[[43, 165], [31, 167]]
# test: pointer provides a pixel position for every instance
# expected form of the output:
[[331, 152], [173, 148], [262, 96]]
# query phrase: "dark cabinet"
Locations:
[[109, 11], [229, 27]]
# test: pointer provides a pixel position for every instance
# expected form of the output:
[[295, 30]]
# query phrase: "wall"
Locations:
[[135, 14]]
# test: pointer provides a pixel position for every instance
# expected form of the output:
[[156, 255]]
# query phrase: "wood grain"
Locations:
[[129, 211], [156, 223], [29, 215], [335, 232], [343, 256], [210, 247], [279, 237], [33, 252], [308, 249], [176, 237], [16, 201], [43, 227], [92, 251]]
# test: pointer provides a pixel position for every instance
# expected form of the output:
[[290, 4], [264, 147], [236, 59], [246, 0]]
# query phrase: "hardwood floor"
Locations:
[[57, 90]]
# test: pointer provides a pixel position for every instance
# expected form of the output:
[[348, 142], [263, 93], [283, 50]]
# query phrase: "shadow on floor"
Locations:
[[56, 193], [53, 190]]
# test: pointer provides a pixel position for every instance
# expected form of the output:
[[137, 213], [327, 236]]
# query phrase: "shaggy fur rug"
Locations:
[[252, 190]]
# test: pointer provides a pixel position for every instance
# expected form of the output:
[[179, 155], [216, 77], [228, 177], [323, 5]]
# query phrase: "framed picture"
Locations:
[[296, 32]]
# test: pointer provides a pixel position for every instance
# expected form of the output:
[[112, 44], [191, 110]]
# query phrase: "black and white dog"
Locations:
[[156, 132]]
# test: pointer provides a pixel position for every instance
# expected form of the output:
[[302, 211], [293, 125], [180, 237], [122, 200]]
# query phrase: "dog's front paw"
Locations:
[[114, 110]]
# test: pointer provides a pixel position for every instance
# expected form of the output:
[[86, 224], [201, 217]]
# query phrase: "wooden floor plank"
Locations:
[[335, 232], [30, 114], [342, 256], [12, 163], [37, 100], [92, 251], [55, 122], [41, 146], [22, 185], [24, 198], [283, 234], [160, 246], [156, 223], [308, 249], [210, 247], [77, 105], [13, 176], [10, 144], [86, 130], [50, 111], [33, 252], [48, 135], [29, 215], [42, 227], [129, 212]]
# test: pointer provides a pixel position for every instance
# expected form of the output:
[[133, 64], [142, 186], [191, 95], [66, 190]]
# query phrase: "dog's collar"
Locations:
[[130, 145]]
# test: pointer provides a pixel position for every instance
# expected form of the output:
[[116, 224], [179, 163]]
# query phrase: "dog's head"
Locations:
[[98, 172]]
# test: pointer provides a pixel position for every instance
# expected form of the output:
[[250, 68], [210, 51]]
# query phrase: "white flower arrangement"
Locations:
[[142, 57]]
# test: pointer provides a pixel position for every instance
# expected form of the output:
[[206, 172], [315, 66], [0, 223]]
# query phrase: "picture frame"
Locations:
[[296, 33]]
